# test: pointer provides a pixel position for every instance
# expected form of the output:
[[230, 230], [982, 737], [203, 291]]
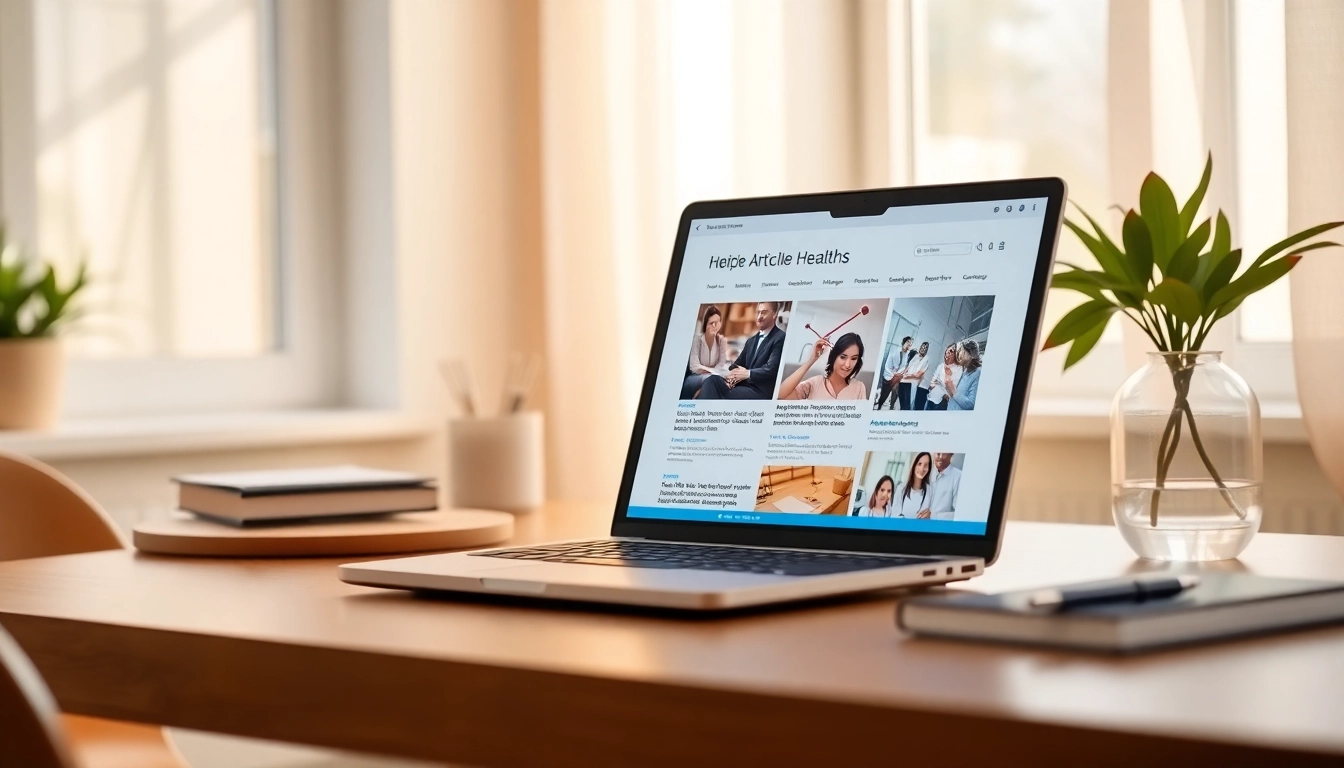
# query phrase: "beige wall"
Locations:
[[1069, 480], [1056, 480]]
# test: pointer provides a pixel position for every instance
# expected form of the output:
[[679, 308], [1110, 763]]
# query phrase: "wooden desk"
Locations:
[[282, 650]]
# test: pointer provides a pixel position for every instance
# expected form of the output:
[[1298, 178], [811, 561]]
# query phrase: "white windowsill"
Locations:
[[150, 435], [1280, 422]]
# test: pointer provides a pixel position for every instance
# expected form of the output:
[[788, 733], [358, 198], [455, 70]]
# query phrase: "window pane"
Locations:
[[1017, 88], [1262, 157], [155, 130]]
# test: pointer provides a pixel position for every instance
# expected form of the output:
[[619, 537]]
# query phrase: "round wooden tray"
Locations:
[[185, 534]]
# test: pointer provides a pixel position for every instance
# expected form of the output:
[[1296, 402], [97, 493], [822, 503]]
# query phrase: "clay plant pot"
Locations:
[[32, 375]]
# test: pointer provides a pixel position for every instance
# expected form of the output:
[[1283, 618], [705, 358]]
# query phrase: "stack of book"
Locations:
[[290, 495]]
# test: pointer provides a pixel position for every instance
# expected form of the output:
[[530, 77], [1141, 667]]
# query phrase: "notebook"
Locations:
[[1221, 606]]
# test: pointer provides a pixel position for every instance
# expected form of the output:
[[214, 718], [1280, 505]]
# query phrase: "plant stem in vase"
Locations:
[[1181, 370]]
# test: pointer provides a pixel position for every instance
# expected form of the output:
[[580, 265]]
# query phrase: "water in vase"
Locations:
[[1196, 520]]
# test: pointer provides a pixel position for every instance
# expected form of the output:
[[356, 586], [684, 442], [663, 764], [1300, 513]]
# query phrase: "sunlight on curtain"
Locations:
[[647, 107], [1315, 108]]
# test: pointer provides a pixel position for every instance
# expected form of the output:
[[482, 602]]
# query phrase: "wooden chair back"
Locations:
[[42, 513], [33, 735]]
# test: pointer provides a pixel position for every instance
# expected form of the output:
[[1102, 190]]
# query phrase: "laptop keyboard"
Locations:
[[701, 557]]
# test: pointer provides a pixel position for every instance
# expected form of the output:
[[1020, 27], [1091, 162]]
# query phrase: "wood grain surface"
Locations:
[[281, 649]]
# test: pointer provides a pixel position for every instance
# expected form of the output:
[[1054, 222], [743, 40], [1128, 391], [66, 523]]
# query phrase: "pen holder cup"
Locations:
[[497, 462]]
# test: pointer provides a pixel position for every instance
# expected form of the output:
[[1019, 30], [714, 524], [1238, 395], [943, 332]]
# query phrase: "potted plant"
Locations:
[[34, 306], [1185, 429]]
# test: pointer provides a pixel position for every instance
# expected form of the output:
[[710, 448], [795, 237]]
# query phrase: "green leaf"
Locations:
[[1157, 205], [1108, 255], [1178, 298], [1084, 344], [1254, 279], [1222, 238], [57, 300], [1233, 300], [1222, 246], [1185, 260], [1220, 275], [1092, 283], [1313, 247], [1076, 280], [15, 293], [1080, 320], [1139, 248], [1291, 240], [1191, 208]]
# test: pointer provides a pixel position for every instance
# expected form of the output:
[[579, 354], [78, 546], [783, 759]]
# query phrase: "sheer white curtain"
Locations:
[[1316, 194], [647, 106]]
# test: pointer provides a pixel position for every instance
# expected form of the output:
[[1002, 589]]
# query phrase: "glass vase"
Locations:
[[1186, 468]]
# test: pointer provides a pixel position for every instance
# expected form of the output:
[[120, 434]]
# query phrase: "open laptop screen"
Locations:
[[843, 373]]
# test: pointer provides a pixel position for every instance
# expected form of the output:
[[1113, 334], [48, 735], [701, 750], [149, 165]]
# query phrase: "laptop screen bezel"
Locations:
[[851, 204]]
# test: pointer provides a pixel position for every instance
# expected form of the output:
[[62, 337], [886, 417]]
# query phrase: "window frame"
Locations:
[[303, 370], [1267, 366], [1100, 374]]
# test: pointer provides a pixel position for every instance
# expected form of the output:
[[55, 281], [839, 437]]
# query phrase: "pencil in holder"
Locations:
[[497, 462]]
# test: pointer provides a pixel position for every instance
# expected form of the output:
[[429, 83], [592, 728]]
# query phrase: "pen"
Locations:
[[1123, 590], [524, 384], [460, 386]]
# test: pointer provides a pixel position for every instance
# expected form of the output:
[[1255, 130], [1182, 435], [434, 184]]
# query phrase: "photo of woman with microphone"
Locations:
[[826, 348], [837, 383]]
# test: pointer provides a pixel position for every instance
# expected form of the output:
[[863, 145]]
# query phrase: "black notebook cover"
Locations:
[[269, 482], [1222, 605]]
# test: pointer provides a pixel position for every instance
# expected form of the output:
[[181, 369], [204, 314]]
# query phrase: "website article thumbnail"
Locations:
[[735, 351], [807, 490], [916, 485], [933, 354], [827, 350]]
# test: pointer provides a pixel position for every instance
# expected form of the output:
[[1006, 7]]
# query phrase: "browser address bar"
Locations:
[[943, 249]]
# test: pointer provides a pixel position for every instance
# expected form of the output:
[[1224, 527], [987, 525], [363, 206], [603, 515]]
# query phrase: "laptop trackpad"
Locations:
[[499, 581], [514, 586]]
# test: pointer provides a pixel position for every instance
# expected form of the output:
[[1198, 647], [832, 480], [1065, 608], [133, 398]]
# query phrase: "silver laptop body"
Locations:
[[793, 461]]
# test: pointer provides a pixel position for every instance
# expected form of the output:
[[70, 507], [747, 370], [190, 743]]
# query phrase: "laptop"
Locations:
[[832, 404]]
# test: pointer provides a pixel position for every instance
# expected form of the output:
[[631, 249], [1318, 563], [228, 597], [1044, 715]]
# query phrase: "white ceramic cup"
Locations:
[[497, 462]]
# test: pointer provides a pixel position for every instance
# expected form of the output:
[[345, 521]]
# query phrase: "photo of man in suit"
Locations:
[[752, 375]]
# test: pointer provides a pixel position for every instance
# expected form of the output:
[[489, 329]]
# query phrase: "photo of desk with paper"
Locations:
[[806, 490]]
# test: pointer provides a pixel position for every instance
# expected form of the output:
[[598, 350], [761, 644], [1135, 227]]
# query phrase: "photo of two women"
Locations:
[[934, 352]]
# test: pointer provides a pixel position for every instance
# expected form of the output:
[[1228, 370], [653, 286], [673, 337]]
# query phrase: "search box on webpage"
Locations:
[[943, 249]]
